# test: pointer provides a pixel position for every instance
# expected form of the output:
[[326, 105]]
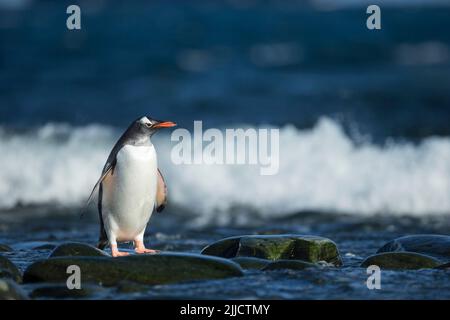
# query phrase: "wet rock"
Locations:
[[444, 266], [225, 248], [274, 247], [9, 270], [401, 260], [75, 249], [289, 264], [437, 246], [251, 263], [131, 287], [47, 246], [60, 291], [145, 269], [5, 248], [9, 290]]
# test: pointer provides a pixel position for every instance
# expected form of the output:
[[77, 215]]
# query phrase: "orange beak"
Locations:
[[165, 124]]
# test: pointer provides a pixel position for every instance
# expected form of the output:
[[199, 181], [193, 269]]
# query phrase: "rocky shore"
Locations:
[[229, 258]]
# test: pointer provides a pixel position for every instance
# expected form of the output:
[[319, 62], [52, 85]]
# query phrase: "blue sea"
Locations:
[[363, 118]]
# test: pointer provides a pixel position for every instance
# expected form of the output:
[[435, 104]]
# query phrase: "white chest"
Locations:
[[136, 158], [129, 193]]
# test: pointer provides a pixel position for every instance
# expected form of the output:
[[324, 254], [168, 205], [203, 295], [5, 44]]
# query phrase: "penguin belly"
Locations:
[[129, 193]]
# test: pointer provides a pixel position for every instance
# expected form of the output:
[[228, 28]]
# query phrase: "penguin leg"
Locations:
[[114, 249], [139, 246]]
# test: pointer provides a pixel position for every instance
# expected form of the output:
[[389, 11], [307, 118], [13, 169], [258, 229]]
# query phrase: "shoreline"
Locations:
[[356, 238]]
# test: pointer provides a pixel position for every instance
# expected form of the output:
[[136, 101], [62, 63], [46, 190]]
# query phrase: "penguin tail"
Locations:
[[103, 239]]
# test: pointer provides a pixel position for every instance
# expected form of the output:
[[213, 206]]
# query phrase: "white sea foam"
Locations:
[[55, 164], [320, 169]]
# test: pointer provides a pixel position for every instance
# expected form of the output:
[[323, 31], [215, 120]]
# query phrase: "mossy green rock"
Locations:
[[251, 263], [9, 270], [5, 248], [274, 247], [75, 249], [437, 246], [146, 269], [289, 264], [401, 260], [9, 290]]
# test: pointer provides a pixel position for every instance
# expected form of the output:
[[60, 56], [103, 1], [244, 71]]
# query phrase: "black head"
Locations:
[[149, 126], [140, 130]]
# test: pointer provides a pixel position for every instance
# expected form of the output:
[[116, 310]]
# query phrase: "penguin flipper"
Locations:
[[103, 238], [161, 193], [97, 184]]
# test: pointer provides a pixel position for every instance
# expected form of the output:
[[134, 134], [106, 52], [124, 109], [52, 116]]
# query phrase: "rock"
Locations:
[[145, 269], [131, 287], [48, 246], [5, 248], [60, 291], [75, 249], [437, 246], [289, 264], [251, 263], [225, 248], [9, 270], [444, 266], [401, 260], [274, 247], [9, 290]]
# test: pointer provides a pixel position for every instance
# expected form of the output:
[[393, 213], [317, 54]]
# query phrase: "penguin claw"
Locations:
[[144, 250], [120, 254]]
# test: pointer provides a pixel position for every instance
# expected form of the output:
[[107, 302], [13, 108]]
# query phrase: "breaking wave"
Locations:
[[320, 168]]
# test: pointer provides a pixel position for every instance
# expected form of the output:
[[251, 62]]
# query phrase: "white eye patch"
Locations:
[[145, 120]]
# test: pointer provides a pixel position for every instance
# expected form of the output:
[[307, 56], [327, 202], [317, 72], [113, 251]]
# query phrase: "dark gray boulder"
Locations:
[[47, 246], [61, 291], [437, 246], [5, 248], [289, 264], [9, 270], [401, 260], [145, 269], [9, 290], [75, 249], [251, 263]]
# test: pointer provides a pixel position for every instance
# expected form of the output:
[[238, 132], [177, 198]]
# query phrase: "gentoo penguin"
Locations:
[[130, 187]]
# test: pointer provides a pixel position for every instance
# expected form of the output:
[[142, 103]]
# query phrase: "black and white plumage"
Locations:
[[130, 187]]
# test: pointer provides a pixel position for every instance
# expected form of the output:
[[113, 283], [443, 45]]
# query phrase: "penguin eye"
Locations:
[[148, 125]]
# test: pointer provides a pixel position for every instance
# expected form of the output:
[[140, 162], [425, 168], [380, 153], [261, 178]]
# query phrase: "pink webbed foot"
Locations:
[[145, 250], [140, 248], [116, 253]]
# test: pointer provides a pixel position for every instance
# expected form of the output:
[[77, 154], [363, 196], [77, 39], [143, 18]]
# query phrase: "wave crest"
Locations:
[[320, 169]]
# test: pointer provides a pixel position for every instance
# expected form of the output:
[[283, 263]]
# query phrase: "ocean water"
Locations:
[[363, 119]]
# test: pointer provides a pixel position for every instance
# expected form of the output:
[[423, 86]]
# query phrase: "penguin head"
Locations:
[[149, 126]]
